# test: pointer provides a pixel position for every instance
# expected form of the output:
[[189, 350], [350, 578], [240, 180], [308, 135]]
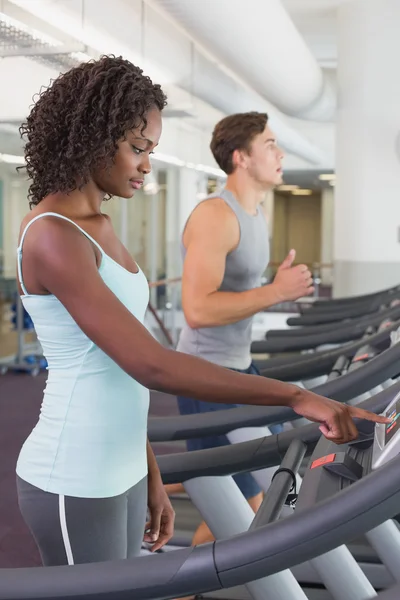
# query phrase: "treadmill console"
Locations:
[[387, 437]]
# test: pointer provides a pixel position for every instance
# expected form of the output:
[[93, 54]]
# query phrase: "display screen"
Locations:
[[392, 428]]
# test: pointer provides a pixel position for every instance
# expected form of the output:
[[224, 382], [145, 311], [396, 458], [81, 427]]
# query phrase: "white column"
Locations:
[[15, 207], [327, 218], [172, 218], [367, 206], [192, 187], [268, 209]]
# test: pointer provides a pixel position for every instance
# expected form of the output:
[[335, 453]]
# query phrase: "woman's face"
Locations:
[[132, 160]]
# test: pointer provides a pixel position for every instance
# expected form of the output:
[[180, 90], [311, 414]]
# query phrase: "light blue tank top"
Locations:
[[90, 440]]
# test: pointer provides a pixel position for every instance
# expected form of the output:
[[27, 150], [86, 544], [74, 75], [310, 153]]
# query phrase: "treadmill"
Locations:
[[348, 490], [241, 424], [392, 594], [216, 499], [360, 377], [315, 364], [371, 321], [309, 338], [335, 315], [384, 296]]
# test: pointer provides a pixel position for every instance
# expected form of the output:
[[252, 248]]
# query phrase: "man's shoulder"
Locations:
[[213, 207], [214, 218]]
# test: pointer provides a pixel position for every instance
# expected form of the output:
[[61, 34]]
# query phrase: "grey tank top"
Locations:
[[229, 345]]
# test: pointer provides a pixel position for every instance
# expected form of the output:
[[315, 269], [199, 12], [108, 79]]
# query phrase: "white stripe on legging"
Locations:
[[64, 530]]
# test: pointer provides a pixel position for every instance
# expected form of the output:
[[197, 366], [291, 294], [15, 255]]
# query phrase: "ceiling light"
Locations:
[[327, 176], [301, 192], [38, 35], [211, 170], [173, 160], [287, 188], [96, 41], [166, 158], [81, 57], [12, 159]]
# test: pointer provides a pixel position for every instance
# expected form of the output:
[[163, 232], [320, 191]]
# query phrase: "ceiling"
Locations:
[[307, 179], [191, 104]]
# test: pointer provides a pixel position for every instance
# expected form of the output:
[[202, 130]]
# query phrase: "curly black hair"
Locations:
[[75, 124]]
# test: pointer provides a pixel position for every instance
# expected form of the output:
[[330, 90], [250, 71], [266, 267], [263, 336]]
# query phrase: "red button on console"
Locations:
[[323, 461]]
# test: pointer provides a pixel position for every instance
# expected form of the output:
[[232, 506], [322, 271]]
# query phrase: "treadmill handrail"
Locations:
[[255, 454], [372, 319], [269, 549], [392, 594], [344, 332], [378, 339], [362, 297], [335, 315], [319, 363], [299, 331], [344, 388], [300, 343]]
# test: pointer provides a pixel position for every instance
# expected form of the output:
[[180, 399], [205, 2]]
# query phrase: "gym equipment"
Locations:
[[360, 379], [312, 365], [330, 312], [320, 315], [339, 333], [392, 594], [387, 439], [236, 423], [270, 452], [260, 554], [384, 295], [29, 357], [315, 364]]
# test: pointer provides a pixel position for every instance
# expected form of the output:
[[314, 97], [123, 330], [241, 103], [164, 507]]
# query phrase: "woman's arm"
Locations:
[[153, 470], [160, 528], [64, 263]]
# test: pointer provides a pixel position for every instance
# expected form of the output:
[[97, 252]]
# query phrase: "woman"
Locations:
[[86, 473]]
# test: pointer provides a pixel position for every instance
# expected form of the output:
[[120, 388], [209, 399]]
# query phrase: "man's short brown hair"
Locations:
[[235, 132]]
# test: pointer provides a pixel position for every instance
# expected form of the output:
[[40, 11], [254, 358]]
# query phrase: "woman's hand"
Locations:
[[160, 528], [336, 418]]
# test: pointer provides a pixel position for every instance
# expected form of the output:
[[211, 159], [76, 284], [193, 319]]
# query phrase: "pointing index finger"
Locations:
[[369, 416]]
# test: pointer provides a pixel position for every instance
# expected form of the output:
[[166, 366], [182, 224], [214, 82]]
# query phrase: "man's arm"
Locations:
[[211, 234]]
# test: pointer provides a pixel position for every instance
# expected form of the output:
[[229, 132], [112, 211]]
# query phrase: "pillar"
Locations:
[[15, 207], [268, 209], [367, 206], [192, 187], [172, 217], [327, 216]]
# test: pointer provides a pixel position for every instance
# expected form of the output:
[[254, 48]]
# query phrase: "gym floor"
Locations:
[[20, 399]]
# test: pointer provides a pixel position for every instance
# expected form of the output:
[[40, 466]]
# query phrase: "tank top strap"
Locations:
[[47, 214]]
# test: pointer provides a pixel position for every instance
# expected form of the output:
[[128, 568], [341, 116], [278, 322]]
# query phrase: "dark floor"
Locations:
[[20, 398]]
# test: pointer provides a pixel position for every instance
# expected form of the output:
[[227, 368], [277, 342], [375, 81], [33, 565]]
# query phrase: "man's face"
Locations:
[[264, 160]]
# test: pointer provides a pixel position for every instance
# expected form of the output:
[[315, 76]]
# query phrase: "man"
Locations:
[[226, 251]]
